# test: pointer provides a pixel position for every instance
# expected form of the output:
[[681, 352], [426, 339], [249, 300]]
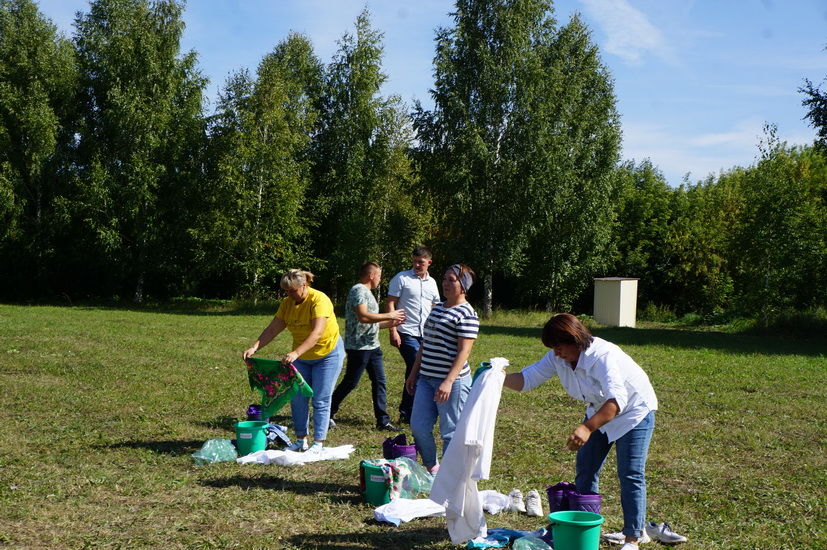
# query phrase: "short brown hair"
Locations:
[[368, 267], [565, 328], [422, 252]]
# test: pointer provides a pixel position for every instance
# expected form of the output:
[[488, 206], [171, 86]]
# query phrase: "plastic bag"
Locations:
[[215, 450], [530, 542], [419, 480]]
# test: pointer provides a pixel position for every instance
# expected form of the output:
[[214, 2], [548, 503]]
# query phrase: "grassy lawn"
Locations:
[[101, 409]]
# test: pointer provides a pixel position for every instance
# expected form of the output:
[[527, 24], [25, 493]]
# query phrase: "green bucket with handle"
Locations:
[[575, 530], [250, 436]]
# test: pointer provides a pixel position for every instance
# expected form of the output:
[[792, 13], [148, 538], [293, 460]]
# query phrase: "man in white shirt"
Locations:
[[415, 292]]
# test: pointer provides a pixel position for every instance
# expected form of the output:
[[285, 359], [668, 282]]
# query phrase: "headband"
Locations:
[[465, 280]]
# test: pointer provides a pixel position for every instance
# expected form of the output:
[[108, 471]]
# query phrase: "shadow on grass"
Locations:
[[173, 448], [220, 422], [735, 343], [228, 422], [399, 539], [334, 490], [518, 332]]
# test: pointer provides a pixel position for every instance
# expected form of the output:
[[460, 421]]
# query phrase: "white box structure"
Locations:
[[615, 301]]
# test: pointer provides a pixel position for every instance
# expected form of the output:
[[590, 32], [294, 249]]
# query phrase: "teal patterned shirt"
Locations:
[[360, 335]]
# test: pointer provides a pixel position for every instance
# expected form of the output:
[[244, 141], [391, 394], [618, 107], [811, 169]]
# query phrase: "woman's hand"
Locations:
[[410, 384], [289, 357], [443, 392], [249, 352], [578, 437]]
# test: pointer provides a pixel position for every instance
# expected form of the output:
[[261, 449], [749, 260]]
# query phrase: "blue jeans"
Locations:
[[359, 360], [632, 449], [321, 375], [426, 411], [408, 349]]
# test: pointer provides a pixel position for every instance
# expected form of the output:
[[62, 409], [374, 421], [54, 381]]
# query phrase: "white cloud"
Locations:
[[675, 153], [629, 33]]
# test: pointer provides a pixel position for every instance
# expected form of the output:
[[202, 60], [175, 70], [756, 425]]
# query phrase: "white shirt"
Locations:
[[416, 296], [603, 372], [468, 459]]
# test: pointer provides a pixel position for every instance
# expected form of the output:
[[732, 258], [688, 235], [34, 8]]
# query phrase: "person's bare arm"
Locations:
[[270, 331], [514, 381], [583, 431], [393, 334], [464, 346]]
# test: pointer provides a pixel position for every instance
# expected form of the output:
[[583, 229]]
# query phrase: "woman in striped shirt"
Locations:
[[440, 379]]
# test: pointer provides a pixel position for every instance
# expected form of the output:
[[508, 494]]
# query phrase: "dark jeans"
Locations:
[[408, 349], [359, 360]]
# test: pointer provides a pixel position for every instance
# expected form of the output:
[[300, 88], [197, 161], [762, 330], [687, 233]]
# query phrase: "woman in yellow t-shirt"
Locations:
[[318, 352]]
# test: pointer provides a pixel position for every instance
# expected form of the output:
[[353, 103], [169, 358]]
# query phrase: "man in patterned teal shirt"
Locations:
[[362, 324]]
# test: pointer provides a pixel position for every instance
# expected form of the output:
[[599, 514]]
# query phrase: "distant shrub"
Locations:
[[657, 313]]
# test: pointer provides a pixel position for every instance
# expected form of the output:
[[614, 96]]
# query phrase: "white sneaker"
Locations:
[[662, 532], [515, 501], [533, 504], [299, 445], [620, 538], [316, 449]]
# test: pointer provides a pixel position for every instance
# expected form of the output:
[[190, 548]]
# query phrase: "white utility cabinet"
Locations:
[[615, 301]]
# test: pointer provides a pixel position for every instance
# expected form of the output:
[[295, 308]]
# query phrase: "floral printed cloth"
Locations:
[[277, 383], [395, 473]]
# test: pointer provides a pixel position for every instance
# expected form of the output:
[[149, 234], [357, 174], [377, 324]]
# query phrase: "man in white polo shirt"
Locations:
[[415, 292]]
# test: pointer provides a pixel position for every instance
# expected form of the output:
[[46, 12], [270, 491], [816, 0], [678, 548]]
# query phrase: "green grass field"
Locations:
[[101, 409]]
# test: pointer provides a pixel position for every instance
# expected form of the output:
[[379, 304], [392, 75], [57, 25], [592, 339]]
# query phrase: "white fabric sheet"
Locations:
[[468, 458], [293, 458], [406, 509]]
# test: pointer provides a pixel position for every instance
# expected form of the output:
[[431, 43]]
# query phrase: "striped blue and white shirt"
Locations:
[[443, 329]]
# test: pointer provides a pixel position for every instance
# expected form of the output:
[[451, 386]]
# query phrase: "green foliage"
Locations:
[[141, 112], [643, 215], [816, 104], [781, 242], [251, 227], [520, 146], [37, 90], [365, 198]]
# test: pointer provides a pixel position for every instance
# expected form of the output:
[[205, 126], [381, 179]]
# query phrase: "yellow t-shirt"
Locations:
[[297, 317]]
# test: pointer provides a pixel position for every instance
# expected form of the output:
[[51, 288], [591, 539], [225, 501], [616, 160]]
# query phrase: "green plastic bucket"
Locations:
[[372, 484], [250, 436], [575, 530]]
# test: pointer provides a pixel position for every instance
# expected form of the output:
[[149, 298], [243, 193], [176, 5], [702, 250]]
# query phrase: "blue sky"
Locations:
[[695, 80]]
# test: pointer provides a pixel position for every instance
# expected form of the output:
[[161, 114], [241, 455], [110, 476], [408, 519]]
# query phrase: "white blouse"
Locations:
[[603, 372]]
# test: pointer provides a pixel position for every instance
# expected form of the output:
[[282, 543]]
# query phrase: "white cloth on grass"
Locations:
[[405, 509], [468, 459], [293, 458], [493, 501]]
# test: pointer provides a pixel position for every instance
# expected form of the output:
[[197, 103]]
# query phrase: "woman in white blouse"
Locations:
[[620, 411]]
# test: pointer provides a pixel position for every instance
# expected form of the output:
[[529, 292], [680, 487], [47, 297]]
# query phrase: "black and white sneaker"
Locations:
[[388, 427]]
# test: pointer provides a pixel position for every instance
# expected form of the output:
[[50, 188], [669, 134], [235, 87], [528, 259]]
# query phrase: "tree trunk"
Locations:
[[139, 289], [488, 295]]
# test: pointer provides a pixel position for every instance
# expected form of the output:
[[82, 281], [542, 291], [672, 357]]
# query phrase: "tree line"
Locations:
[[116, 182]]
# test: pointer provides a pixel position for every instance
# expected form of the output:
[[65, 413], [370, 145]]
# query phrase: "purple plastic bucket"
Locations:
[[558, 496], [254, 412], [397, 447], [587, 502]]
